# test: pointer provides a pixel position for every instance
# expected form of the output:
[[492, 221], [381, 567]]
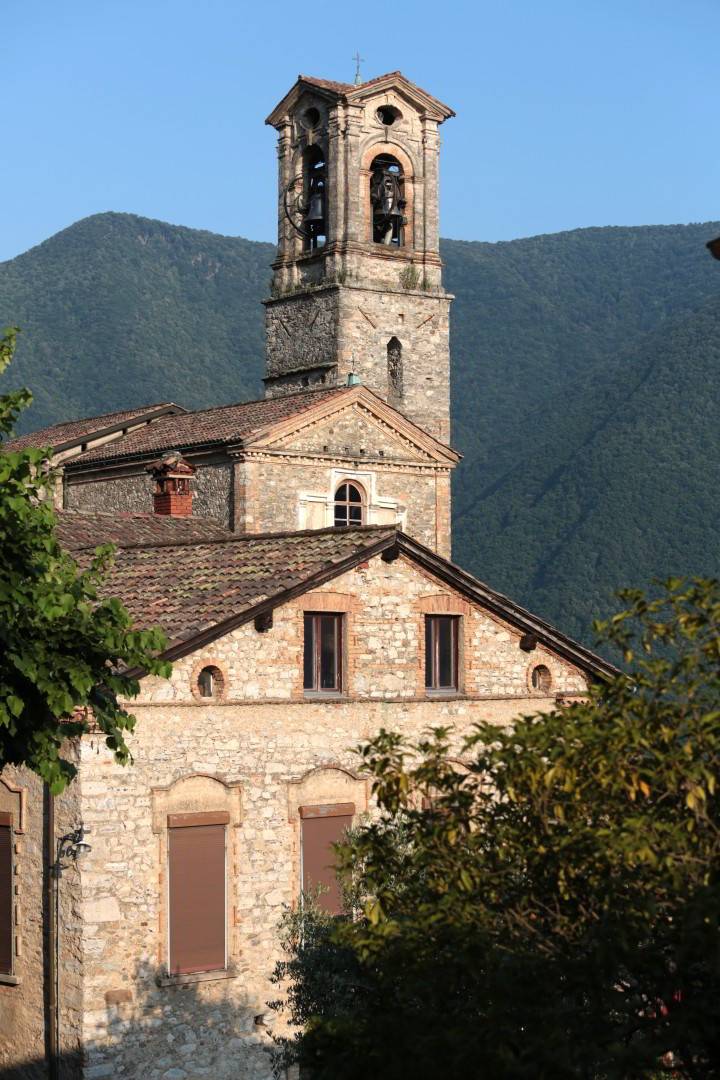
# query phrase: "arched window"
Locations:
[[315, 198], [349, 505], [387, 198], [394, 370]]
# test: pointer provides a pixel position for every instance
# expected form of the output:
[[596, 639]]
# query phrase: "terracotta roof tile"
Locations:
[[59, 434], [349, 88], [225, 424], [82, 529], [327, 84], [204, 584]]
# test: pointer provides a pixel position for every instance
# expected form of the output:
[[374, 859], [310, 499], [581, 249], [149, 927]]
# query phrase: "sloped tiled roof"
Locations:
[[74, 430], [82, 529], [224, 424], [208, 583]]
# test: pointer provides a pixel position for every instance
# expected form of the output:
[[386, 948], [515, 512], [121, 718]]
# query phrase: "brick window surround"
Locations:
[[219, 681], [323, 637], [442, 653]]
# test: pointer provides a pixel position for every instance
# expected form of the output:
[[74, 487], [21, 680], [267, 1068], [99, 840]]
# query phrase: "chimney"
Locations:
[[172, 496]]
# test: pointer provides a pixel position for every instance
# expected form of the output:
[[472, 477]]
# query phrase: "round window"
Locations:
[[311, 117], [388, 114], [541, 678]]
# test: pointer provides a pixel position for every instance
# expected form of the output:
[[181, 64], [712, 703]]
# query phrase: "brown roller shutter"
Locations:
[[197, 899], [318, 836], [6, 885]]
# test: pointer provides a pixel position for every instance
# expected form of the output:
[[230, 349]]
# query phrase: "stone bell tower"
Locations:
[[357, 282]]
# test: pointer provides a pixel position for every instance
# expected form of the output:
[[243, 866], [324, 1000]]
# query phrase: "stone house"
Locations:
[[296, 552]]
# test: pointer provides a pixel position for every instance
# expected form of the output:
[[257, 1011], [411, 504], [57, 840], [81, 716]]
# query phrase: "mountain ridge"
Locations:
[[553, 338]]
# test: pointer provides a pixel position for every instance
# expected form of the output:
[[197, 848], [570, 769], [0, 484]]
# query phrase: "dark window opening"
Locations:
[[6, 894], [210, 682], [315, 209], [388, 114], [322, 670], [394, 368], [441, 652], [311, 117], [349, 505], [541, 678], [387, 197]]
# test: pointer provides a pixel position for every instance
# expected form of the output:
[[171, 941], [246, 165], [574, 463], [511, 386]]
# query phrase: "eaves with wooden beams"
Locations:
[[249, 587], [355, 95]]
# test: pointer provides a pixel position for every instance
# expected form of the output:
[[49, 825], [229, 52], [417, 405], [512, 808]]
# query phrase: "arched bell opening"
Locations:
[[394, 370], [387, 199], [315, 191]]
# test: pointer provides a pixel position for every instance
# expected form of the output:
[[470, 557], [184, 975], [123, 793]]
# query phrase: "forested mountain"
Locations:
[[585, 391]]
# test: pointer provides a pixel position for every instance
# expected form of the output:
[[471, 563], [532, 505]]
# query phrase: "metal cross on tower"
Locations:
[[358, 61]]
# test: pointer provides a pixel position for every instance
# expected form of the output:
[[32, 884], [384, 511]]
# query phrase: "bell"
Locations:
[[316, 209]]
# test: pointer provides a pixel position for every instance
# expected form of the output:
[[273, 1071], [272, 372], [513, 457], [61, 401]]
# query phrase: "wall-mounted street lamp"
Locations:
[[71, 846], [713, 247]]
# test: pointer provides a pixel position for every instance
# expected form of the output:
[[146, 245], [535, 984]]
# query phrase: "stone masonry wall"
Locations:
[[132, 492], [278, 494], [352, 325], [261, 750], [24, 1016]]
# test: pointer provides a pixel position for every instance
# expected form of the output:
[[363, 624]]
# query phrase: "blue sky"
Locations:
[[570, 113]]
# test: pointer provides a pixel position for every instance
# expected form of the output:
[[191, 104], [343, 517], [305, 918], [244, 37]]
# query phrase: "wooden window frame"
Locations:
[[347, 503], [431, 676], [6, 822], [190, 820], [315, 617]]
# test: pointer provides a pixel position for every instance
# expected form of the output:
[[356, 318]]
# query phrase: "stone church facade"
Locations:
[[296, 552]]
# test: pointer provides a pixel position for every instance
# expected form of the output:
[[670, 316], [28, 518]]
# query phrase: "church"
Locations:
[[296, 551]]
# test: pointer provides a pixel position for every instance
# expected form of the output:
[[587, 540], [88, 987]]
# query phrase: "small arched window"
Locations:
[[394, 370], [387, 198], [349, 505]]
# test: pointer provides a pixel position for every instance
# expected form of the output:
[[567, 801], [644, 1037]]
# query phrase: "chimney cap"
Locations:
[[172, 464]]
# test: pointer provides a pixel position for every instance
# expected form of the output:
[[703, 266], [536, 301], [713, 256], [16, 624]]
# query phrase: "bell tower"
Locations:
[[357, 281]]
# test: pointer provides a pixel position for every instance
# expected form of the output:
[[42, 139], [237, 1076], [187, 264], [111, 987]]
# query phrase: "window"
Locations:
[[387, 199], [6, 894], [441, 652], [210, 682], [394, 369], [323, 826], [541, 678], [349, 505], [323, 653], [197, 892]]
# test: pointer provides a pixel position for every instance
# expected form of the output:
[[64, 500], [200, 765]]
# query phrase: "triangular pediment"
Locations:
[[358, 419], [336, 91]]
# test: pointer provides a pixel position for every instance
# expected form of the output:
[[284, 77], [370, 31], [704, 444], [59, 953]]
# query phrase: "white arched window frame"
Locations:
[[316, 510]]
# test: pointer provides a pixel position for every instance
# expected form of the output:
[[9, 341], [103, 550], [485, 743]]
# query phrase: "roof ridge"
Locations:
[[243, 537], [137, 410], [263, 400]]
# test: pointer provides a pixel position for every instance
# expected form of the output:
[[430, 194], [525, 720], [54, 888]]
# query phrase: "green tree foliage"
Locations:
[[63, 651], [585, 389], [556, 913]]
